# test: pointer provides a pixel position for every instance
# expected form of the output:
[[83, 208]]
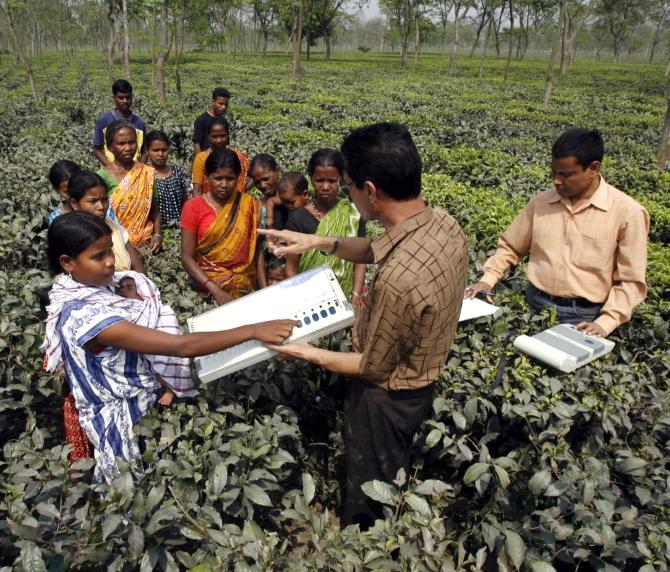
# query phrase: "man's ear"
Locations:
[[372, 190], [594, 168]]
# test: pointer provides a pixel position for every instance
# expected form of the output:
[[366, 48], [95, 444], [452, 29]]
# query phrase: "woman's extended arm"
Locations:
[[134, 338], [155, 217], [195, 272], [136, 263]]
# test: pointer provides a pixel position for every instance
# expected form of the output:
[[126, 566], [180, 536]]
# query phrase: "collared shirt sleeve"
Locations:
[[629, 279], [390, 331], [513, 245]]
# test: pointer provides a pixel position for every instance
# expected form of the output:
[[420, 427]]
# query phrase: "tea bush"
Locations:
[[517, 468]]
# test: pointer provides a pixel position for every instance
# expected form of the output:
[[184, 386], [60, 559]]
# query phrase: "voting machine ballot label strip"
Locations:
[[564, 347], [314, 299]]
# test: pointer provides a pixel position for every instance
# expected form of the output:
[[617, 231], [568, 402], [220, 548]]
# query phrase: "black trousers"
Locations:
[[379, 427]]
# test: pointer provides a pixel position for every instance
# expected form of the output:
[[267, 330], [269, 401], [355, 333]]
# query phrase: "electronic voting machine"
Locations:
[[564, 347], [314, 298]]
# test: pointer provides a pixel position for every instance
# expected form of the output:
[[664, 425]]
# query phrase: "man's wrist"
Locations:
[[328, 245]]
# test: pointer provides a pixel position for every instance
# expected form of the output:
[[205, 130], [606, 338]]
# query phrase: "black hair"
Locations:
[[384, 154], [585, 145], [155, 135], [326, 158], [62, 171], [222, 158], [114, 127], [263, 160], [294, 180], [220, 92], [72, 233], [82, 182], [220, 120], [121, 86]]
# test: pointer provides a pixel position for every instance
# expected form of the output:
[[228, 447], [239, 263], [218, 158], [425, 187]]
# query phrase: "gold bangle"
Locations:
[[355, 294]]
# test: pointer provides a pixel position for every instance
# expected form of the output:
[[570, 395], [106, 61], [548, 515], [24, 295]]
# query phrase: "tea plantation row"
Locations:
[[517, 468]]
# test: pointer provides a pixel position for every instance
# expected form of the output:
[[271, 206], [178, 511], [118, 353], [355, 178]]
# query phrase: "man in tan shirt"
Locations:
[[586, 240], [408, 316]]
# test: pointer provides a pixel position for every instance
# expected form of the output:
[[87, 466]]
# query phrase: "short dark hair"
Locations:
[[155, 135], [72, 233], [219, 120], [114, 127], [121, 86], [222, 158], [326, 157], [220, 92], [294, 180], [385, 154], [585, 145], [263, 160], [82, 182], [62, 171]]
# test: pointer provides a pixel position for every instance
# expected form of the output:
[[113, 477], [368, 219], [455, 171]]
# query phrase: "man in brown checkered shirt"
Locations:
[[407, 318]]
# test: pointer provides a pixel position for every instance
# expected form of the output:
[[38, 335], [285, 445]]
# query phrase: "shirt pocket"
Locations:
[[593, 244]]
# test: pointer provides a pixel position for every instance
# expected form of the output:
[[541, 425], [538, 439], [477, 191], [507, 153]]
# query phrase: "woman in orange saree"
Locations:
[[219, 245], [133, 196], [219, 138]]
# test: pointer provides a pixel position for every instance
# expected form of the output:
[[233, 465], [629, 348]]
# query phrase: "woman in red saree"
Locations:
[[219, 240]]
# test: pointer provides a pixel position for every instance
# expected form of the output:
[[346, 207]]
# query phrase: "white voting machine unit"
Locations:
[[564, 347], [314, 298]]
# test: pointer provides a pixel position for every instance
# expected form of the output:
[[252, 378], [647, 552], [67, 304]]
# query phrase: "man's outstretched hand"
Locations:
[[283, 242], [592, 329]]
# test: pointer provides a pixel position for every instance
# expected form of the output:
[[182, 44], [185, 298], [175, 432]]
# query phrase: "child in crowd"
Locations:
[[88, 192], [291, 195], [328, 214], [122, 96], [170, 181], [265, 174], [59, 177], [106, 343], [219, 138], [220, 99]]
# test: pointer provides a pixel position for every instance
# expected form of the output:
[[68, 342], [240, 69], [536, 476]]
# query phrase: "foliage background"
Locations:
[[518, 468]]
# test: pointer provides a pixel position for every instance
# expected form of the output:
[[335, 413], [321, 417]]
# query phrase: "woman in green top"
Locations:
[[328, 214]]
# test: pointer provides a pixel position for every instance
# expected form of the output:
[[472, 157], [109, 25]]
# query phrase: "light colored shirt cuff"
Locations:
[[607, 323], [490, 278]]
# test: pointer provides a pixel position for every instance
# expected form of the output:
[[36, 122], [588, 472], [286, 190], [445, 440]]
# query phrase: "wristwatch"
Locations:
[[336, 243]]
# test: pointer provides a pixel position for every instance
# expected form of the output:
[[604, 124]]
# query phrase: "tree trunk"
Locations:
[[162, 50], [296, 34], [552, 56], [664, 147], [486, 45], [417, 36], [511, 43], [454, 47], [406, 27], [7, 12], [565, 46], [667, 70], [125, 53], [496, 29], [327, 39], [572, 48], [110, 43], [480, 29]]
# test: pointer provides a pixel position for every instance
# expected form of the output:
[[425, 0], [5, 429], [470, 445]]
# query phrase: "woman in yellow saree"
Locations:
[[133, 196], [219, 240]]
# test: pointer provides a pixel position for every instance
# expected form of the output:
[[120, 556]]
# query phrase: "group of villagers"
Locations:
[[121, 348]]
